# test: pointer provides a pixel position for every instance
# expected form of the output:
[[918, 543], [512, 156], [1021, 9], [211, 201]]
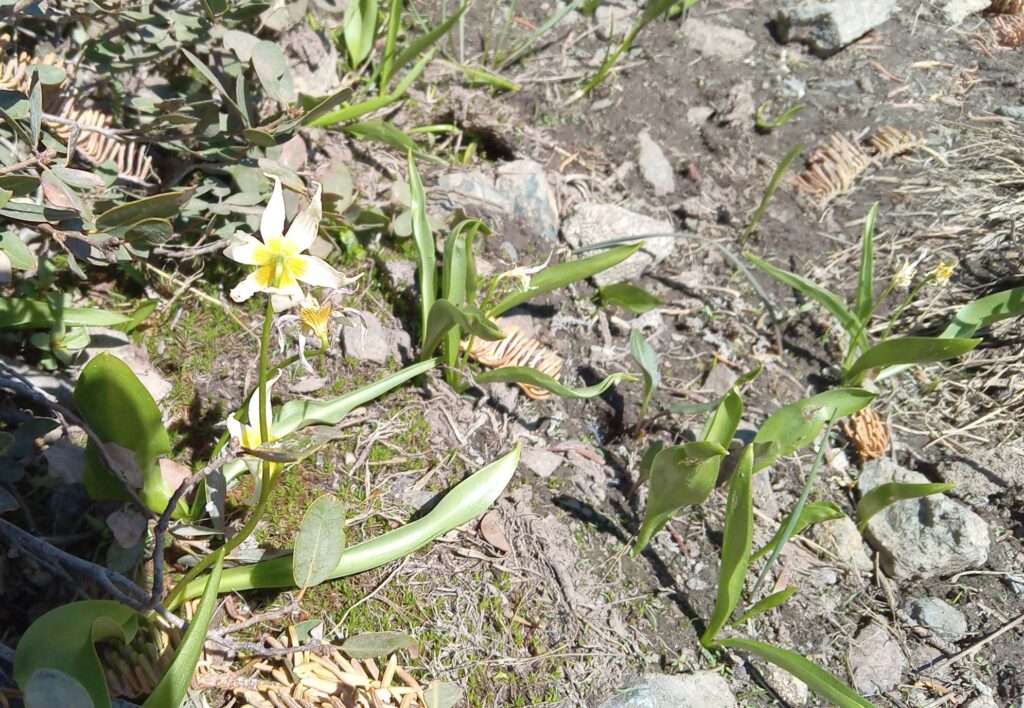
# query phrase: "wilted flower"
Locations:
[[314, 319], [523, 274], [281, 266], [943, 272], [905, 275]]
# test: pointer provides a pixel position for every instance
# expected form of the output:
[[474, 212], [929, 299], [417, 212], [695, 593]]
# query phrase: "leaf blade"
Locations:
[[885, 495], [320, 541]]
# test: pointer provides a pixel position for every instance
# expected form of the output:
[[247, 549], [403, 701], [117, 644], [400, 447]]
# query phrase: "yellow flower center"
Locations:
[[279, 263], [316, 318]]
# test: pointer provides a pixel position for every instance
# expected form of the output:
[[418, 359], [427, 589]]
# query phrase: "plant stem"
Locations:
[[903, 305]]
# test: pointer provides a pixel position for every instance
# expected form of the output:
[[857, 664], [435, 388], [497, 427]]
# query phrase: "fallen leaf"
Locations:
[[173, 472], [493, 532], [127, 527], [123, 464]]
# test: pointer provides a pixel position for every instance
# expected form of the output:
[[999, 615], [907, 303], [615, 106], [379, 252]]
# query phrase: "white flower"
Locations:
[[248, 434], [905, 275], [281, 266]]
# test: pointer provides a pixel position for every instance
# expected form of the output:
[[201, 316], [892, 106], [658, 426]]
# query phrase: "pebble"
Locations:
[[654, 166], [791, 690], [703, 689], [926, 537], [364, 338], [827, 27], [474, 192], [399, 275], [524, 184], [592, 222], [939, 616], [614, 18], [312, 61], [956, 11], [842, 538], [716, 41], [876, 660]]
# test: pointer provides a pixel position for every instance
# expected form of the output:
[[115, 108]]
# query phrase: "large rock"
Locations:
[[473, 192], [525, 185], [364, 338], [939, 616], [842, 538], [704, 689], [827, 27], [654, 166], [922, 538], [711, 40], [593, 223], [986, 471], [956, 11], [876, 660]]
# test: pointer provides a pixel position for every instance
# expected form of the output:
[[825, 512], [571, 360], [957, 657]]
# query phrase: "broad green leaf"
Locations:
[[532, 377], [174, 683], [421, 44], [5, 196], [36, 213], [648, 360], [458, 286], [679, 477], [769, 603], [797, 424], [18, 253], [908, 350], [817, 679], [381, 132], [370, 645], [826, 299], [887, 494], [49, 75], [297, 445], [629, 296], [314, 111], [390, 42], [79, 179], [736, 539], [866, 281], [212, 79], [320, 542], [47, 688], [360, 27], [444, 316], [35, 112], [63, 639], [19, 185], [721, 425], [468, 500], [120, 410], [160, 206], [425, 248], [812, 513], [562, 274], [442, 694], [272, 70], [647, 461]]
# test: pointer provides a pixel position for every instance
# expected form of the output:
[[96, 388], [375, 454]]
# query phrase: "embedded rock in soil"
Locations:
[[399, 276], [592, 223], [922, 538], [704, 689], [654, 166], [791, 690], [711, 40], [365, 339], [473, 192], [312, 61], [525, 185], [876, 660], [613, 19], [982, 702], [956, 11], [541, 462], [985, 471], [827, 27], [842, 538], [939, 616]]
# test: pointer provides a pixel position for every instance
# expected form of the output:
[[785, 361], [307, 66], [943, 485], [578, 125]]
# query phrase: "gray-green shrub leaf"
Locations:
[[320, 541], [887, 494], [370, 645], [49, 687]]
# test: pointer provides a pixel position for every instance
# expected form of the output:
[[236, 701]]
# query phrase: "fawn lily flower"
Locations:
[[248, 434], [905, 275], [522, 274], [280, 263], [943, 272], [314, 319]]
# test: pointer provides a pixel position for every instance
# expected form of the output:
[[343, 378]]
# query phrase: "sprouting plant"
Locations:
[[764, 125]]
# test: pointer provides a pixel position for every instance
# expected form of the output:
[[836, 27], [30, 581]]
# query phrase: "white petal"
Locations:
[[247, 288], [272, 221], [243, 248], [234, 427], [254, 406], [318, 273], [303, 230], [285, 299]]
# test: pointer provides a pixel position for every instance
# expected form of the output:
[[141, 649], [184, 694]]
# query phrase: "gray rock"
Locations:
[[956, 11], [525, 185], [922, 538], [312, 60], [939, 616], [763, 494], [592, 223], [364, 338], [473, 192], [698, 115], [791, 690], [613, 19], [704, 689], [720, 379], [711, 40], [876, 660], [540, 461], [1015, 112], [986, 471], [654, 166], [982, 702], [842, 538], [826, 27], [399, 276]]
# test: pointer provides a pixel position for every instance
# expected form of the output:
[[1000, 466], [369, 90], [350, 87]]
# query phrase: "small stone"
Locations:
[[593, 223], [983, 472], [613, 19], [791, 690], [312, 61], [925, 537], [703, 689], [876, 660], [525, 185], [540, 461], [956, 11], [842, 538], [716, 41], [719, 379], [1015, 112], [648, 323], [365, 339], [982, 702], [654, 166], [939, 616], [474, 192], [399, 276], [699, 115], [763, 494], [826, 27], [65, 461]]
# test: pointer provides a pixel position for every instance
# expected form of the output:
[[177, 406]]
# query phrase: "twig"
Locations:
[[38, 160], [115, 133], [204, 297], [978, 645]]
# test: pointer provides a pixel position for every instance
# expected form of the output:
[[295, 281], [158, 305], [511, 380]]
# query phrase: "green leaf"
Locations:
[[629, 296], [694, 408], [19, 185], [5, 196], [272, 70], [121, 410], [817, 679], [382, 132], [174, 684], [35, 112], [866, 281], [35, 213], [390, 42], [18, 253], [370, 645], [562, 274], [458, 287], [49, 75], [481, 77], [80, 179], [63, 639], [425, 248], [769, 192], [444, 316], [820, 295], [768, 603], [812, 513], [468, 500], [160, 206], [908, 350], [442, 694], [793, 426], [647, 461], [320, 542], [526, 375], [360, 27], [343, 115], [422, 43], [298, 445], [21, 313], [212, 79], [679, 477], [49, 687], [648, 360], [736, 539], [887, 494]]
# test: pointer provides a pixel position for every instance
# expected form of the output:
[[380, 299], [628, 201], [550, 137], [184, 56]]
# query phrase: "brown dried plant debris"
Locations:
[[517, 349], [868, 434], [890, 142], [1006, 7], [1006, 33]]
